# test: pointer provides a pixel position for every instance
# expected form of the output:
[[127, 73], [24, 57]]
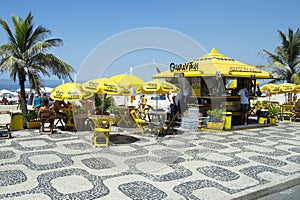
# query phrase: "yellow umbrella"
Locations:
[[158, 87], [164, 74], [69, 91], [128, 80], [232, 85], [105, 86], [287, 87], [270, 87], [102, 86], [125, 91], [297, 89]]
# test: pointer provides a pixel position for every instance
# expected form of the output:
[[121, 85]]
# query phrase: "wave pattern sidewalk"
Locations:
[[190, 165]]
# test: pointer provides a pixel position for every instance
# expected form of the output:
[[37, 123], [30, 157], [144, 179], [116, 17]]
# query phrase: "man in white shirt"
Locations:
[[244, 101]]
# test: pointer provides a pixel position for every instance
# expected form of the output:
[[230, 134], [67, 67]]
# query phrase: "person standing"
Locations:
[[37, 102], [174, 107], [142, 102], [295, 97], [244, 102], [19, 101], [44, 96]]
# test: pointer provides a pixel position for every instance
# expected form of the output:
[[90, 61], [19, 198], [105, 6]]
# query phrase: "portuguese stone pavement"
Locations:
[[190, 165]]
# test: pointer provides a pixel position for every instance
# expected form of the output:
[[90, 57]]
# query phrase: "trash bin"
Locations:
[[16, 122], [227, 121]]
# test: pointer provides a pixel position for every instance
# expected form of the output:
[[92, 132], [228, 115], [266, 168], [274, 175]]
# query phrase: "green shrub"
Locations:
[[32, 116], [216, 115], [105, 105], [273, 112]]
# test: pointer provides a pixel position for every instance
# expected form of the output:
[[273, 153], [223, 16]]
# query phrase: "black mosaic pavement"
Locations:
[[190, 165]]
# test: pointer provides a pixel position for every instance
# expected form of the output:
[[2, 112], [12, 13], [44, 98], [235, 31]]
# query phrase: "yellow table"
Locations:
[[102, 125]]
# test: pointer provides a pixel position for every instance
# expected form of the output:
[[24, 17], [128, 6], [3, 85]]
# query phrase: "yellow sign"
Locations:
[[189, 66], [243, 69]]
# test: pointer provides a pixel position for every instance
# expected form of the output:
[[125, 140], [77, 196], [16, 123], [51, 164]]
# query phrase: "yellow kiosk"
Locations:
[[208, 77]]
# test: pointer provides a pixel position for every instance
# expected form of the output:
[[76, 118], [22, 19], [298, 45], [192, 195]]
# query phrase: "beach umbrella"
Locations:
[[164, 74], [5, 91], [102, 86], [272, 88], [297, 89], [157, 87], [105, 86], [128, 80], [125, 91], [69, 91], [286, 87]]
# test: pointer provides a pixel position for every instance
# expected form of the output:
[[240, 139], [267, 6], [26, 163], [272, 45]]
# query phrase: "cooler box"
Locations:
[[16, 122], [227, 122]]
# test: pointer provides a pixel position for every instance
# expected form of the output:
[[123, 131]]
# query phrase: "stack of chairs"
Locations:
[[287, 112]]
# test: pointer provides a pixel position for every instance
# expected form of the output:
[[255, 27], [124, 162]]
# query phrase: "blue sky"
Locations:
[[238, 29]]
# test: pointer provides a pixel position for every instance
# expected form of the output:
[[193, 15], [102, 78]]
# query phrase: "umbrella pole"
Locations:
[[103, 103], [156, 101]]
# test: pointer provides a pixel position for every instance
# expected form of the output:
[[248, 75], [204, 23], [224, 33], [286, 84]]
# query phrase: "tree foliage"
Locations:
[[25, 55], [285, 60]]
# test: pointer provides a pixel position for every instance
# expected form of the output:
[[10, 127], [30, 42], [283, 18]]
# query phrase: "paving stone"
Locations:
[[189, 165], [12, 177], [141, 190], [7, 154], [218, 173], [268, 161]]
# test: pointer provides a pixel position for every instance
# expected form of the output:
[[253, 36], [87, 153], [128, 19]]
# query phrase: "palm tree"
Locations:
[[285, 61], [24, 57]]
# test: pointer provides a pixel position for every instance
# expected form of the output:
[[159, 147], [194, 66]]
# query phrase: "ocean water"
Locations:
[[9, 84]]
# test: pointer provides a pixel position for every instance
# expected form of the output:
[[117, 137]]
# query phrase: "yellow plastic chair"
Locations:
[[102, 126], [139, 123], [287, 112]]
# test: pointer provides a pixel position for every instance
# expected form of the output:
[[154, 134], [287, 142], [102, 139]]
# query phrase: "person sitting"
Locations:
[[4, 101], [44, 96], [58, 105], [46, 114]]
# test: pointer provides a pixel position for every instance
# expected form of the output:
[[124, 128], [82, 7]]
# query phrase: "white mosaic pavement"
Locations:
[[189, 165]]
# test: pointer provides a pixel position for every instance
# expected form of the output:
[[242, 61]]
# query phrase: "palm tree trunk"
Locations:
[[23, 96]]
